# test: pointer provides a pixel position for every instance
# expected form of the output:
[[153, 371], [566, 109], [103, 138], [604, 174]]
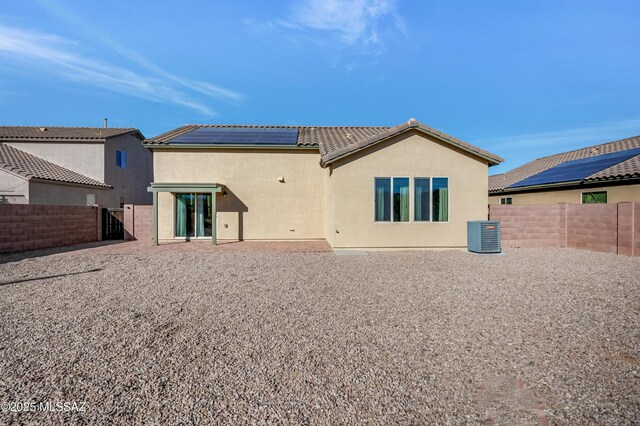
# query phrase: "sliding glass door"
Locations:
[[193, 215]]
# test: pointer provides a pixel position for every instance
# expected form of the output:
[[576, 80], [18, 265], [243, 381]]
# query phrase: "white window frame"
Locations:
[[413, 210], [412, 185], [391, 199], [505, 203], [448, 199]]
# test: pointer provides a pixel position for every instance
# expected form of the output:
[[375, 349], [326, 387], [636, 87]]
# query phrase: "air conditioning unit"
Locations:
[[483, 236]]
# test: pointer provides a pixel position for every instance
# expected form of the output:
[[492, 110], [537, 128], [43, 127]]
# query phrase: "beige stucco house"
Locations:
[[74, 166], [605, 173], [408, 186]]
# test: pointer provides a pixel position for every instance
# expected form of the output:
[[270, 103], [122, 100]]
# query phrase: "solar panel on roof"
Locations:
[[571, 171], [239, 136]]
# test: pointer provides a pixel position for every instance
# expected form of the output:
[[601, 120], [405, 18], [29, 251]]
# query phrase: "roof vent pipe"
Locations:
[[105, 123]]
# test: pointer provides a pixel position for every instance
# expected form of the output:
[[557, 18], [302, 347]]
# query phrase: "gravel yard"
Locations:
[[314, 338]]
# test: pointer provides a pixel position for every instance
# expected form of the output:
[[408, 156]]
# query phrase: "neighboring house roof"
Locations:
[[335, 142], [29, 166], [629, 168], [47, 133]]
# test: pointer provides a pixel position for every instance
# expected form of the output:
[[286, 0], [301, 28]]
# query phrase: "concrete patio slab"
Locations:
[[146, 248]]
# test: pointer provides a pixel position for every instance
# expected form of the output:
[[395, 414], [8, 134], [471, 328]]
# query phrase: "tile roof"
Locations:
[[29, 166], [47, 133], [335, 142], [625, 169], [345, 147]]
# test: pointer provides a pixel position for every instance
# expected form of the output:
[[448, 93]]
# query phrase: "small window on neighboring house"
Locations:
[[121, 159], [594, 197], [506, 200], [91, 199]]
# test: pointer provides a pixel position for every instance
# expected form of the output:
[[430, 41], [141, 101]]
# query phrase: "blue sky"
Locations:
[[521, 79]]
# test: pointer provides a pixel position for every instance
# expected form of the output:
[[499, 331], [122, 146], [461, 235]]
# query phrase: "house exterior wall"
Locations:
[[615, 194], [97, 160], [13, 189], [257, 206], [86, 158], [60, 194], [412, 154], [129, 183], [329, 228]]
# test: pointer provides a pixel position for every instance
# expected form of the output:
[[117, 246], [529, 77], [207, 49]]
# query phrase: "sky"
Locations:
[[521, 79]]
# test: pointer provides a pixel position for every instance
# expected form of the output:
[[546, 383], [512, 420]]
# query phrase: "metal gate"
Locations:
[[112, 224]]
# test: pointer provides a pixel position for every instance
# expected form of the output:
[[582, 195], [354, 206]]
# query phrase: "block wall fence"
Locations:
[[138, 222], [30, 227], [610, 228]]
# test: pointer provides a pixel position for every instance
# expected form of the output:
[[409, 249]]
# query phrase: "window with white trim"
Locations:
[[431, 199], [392, 199], [506, 200]]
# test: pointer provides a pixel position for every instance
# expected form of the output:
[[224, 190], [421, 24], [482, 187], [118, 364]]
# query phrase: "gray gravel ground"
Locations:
[[403, 337]]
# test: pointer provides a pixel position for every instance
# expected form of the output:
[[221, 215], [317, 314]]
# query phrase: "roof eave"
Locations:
[[634, 176], [386, 135], [66, 140], [64, 182], [15, 171], [227, 146], [548, 185], [591, 181], [135, 133]]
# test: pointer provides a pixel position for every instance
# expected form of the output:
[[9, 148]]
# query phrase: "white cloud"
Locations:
[[77, 22], [64, 58], [364, 23]]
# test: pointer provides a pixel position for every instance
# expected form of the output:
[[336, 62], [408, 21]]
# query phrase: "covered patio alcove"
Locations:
[[196, 209]]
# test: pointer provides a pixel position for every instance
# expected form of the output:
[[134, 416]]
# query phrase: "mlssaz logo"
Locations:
[[509, 400]]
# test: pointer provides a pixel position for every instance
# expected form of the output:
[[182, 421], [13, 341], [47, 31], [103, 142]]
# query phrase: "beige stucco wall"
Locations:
[[97, 160], [129, 183], [13, 189], [63, 194], [329, 228], [85, 158], [411, 154], [257, 206], [615, 194]]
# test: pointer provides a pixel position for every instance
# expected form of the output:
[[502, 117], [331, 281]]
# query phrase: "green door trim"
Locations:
[[178, 188]]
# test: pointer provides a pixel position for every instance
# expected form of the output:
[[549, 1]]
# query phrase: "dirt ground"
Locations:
[[264, 337]]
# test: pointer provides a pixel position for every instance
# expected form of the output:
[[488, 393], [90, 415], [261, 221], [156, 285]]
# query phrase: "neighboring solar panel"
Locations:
[[239, 136], [571, 171]]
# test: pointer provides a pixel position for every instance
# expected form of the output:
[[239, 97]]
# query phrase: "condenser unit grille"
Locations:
[[483, 236]]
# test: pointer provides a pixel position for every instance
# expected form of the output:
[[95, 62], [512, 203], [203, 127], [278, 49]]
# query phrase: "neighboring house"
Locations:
[[73, 166], [357, 187], [606, 173]]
